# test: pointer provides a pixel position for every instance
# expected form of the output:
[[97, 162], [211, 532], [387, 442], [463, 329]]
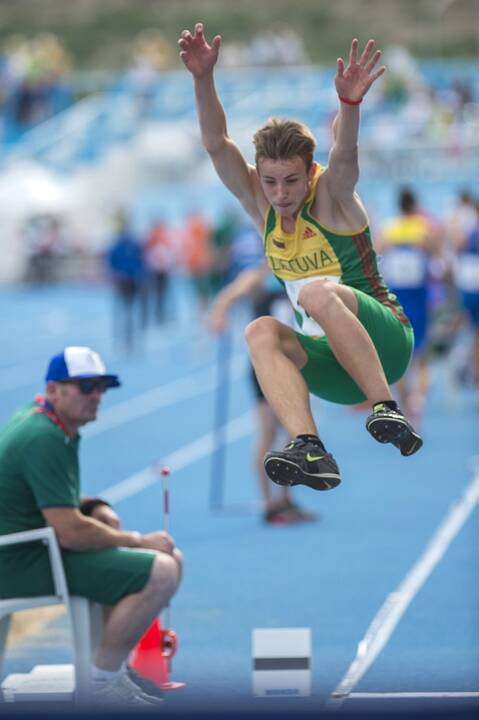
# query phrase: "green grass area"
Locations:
[[100, 33]]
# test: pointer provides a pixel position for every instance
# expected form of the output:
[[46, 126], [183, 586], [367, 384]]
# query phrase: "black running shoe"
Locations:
[[302, 463], [390, 426]]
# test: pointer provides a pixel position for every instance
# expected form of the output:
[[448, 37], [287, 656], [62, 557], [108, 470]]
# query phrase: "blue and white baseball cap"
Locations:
[[79, 362]]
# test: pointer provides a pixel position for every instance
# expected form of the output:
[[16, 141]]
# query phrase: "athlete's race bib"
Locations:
[[281, 310], [404, 268], [467, 275], [308, 326]]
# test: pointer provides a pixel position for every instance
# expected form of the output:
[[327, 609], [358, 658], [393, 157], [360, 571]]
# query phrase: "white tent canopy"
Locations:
[[27, 189]]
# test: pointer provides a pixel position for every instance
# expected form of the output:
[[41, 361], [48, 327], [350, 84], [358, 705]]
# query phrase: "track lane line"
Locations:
[[184, 388], [183, 457], [401, 695], [397, 602]]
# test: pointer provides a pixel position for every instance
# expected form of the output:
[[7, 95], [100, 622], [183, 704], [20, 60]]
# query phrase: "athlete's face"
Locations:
[[285, 183]]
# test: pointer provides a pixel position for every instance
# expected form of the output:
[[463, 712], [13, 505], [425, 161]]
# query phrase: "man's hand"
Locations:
[[353, 82], [158, 540], [105, 514], [199, 57]]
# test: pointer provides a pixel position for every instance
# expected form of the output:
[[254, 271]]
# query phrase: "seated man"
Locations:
[[135, 575]]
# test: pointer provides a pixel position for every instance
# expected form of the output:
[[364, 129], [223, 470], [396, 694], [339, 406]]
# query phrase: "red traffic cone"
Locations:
[[151, 656]]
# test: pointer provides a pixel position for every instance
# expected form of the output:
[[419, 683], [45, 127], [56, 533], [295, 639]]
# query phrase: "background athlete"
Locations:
[[406, 246], [354, 338]]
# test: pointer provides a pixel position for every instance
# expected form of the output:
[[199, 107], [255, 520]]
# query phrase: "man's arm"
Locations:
[[243, 285], [78, 532], [233, 170], [352, 84], [434, 242]]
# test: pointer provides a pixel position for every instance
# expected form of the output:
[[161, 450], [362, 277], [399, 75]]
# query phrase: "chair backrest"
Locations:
[[47, 535], [83, 616]]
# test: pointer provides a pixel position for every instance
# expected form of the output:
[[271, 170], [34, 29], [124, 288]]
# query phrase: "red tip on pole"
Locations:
[[165, 471]]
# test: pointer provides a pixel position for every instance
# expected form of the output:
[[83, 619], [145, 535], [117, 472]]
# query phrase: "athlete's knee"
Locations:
[[164, 576], [318, 297], [260, 332]]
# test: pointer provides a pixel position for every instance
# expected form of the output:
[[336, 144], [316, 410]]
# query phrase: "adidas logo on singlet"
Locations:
[[308, 233], [278, 243]]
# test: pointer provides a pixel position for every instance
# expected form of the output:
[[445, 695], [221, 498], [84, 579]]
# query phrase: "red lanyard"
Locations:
[[41, 407]]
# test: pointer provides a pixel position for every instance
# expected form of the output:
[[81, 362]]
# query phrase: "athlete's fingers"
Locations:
[[199, 29], [367, 51], [377, 74], [373, 60], [217, 42], [186, 34], [353, 53], [340, 67]]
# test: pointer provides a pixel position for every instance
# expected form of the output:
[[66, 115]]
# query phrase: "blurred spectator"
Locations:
[[406, 244], [467, 279], [246, 249], [127, 272], [403, 77], [34, 82], [462, 219], [268, 297], [43, 237], [152, 54], [221, 241], [197, 255], [279, 44], [159, 258]]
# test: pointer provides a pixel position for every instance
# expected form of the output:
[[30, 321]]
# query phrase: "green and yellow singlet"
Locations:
[[313, 251]]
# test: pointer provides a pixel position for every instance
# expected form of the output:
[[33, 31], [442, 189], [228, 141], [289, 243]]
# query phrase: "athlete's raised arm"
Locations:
[[352, 84], [240, 178]]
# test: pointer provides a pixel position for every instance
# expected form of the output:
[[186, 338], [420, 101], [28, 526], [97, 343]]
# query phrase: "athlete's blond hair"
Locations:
[[284, 139]]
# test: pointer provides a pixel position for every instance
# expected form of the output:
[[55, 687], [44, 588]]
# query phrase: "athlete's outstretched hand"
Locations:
[[199, 57], [354, 81]]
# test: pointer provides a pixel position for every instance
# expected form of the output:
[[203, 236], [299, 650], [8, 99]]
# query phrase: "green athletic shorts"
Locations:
[[393, 340], [104, 576]]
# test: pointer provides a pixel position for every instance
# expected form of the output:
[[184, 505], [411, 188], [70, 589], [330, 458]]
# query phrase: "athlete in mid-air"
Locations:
[[353, 338]]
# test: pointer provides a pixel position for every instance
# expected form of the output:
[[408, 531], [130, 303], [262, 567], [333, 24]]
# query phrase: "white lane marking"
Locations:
[[162, 396], [383, 625], [400, 695], [26, 374], [179, 459], [13, 378]]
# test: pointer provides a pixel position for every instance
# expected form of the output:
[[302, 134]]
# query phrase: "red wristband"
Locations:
[[350, 102]]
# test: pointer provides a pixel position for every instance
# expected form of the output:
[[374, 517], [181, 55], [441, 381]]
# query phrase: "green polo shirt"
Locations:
[[39, 469]]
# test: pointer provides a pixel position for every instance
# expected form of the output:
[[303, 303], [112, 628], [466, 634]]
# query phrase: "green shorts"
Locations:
[[104, 576], [393, 340]]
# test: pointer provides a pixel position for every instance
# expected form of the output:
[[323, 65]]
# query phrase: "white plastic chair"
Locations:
[[84, 617]]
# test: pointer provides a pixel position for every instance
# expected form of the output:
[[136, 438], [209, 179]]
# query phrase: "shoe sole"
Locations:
[[285, 472], [396, 432]]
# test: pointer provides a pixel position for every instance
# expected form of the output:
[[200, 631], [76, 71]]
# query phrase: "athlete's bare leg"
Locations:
[[412, 388], [268, 429], [335, 308], [277, 357]]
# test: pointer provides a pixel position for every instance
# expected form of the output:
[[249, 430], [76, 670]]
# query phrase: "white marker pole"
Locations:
[[169, 685], [165, 473]]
